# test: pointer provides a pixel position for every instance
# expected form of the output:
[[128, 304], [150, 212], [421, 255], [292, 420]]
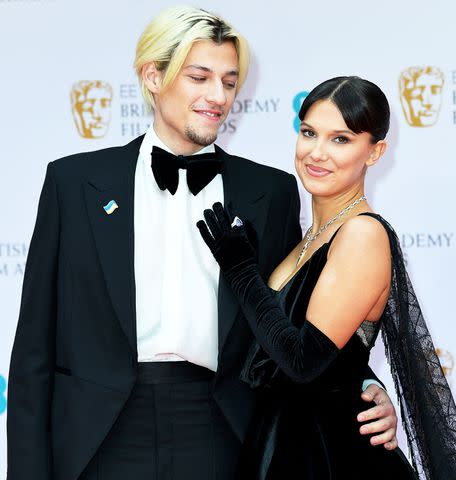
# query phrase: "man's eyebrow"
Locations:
[[199, 67], [208, 70], [334, 131]]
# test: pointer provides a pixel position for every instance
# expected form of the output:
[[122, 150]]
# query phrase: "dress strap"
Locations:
[[373, 215], [333, 235]]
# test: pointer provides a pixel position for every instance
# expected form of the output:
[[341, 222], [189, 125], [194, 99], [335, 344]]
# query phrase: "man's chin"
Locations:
[[203, 139]]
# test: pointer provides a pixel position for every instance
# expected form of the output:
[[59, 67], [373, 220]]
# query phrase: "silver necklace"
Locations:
[[310, 237]]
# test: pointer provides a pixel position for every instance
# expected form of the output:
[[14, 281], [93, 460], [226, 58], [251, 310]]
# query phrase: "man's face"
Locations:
[[190, 112], [94, 112], [422, 100]]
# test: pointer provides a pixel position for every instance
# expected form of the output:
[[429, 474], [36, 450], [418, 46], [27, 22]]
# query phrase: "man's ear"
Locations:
[[377, 151], [152, 77]]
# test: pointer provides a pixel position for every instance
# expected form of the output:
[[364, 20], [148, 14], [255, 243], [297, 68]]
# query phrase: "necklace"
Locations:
[[310, 237]]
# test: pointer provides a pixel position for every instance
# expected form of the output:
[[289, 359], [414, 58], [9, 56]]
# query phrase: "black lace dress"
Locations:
[[309, 430]]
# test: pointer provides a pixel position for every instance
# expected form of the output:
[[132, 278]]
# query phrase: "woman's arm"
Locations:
[[354, 283], [304, 353]]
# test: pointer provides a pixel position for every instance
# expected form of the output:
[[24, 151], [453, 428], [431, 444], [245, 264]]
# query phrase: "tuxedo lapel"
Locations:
[[114, 232], [244, 199]]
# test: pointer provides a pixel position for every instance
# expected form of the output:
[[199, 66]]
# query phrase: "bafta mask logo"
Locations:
[[91, 107], [421, 95], [446, 360]]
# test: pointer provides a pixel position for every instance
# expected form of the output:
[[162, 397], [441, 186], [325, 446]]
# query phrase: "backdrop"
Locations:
[[67, 85]]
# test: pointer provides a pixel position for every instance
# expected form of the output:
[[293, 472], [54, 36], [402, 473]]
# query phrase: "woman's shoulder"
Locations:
[[367, 233], [377, 217], [368, 225]]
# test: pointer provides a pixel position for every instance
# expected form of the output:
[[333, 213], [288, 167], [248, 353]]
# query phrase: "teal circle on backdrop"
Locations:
[[2, 394], [297, 102]]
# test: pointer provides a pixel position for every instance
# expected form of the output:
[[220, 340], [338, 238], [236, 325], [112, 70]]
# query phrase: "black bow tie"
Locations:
[[201, 169]]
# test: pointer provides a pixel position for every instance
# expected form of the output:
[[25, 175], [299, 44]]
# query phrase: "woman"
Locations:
[[318, 318]]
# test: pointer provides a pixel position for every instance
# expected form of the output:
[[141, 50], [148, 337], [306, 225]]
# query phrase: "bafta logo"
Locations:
[[421, 95], [91, 107], [446, 360]]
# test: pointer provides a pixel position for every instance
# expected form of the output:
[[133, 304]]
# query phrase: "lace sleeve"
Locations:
[[427, 406]]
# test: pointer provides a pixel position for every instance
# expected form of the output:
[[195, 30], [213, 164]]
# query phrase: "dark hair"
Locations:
[[362, 104]]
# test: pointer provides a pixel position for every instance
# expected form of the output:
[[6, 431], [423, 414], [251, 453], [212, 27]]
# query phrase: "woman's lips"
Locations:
[[317, 171]]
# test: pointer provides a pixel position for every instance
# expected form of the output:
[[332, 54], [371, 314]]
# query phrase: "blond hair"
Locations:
[[168, 38]]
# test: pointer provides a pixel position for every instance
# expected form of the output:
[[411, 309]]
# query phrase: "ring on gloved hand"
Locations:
[[237, 222]]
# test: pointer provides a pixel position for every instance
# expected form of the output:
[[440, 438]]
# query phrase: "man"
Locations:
[[129, 345]]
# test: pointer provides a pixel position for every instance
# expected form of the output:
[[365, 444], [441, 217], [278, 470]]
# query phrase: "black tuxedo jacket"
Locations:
[[74, 357]]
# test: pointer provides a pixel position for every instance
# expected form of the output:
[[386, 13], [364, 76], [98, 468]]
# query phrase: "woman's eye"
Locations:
[[230, 85], [308, 133], [341, 139], [197, 79]]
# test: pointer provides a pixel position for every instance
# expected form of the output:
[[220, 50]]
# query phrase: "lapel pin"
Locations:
[[110, 207]]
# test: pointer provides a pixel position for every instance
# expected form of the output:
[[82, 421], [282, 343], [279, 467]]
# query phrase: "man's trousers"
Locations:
[[169, 429]]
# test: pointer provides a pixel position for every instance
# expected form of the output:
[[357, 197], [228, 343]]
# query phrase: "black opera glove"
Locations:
[[229, 244], [301, 353]]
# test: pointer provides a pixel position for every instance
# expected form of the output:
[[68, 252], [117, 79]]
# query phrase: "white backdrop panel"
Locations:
[[48, 45]]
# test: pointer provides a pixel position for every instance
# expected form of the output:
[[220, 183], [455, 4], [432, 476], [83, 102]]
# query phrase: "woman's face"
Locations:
[[330, 158]]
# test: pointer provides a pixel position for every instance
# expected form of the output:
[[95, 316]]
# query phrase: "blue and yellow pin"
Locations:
[[110, 207]]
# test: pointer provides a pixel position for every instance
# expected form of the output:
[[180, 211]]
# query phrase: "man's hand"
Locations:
[[384, 415]]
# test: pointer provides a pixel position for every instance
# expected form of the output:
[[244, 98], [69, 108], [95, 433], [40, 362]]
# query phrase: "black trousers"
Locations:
[[169, 429]]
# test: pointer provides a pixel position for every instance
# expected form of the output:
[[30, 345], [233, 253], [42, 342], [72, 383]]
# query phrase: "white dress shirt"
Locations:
[[175, 273]]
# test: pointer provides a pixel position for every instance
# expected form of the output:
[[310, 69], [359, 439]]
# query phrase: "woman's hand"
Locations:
[[226, 240]]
